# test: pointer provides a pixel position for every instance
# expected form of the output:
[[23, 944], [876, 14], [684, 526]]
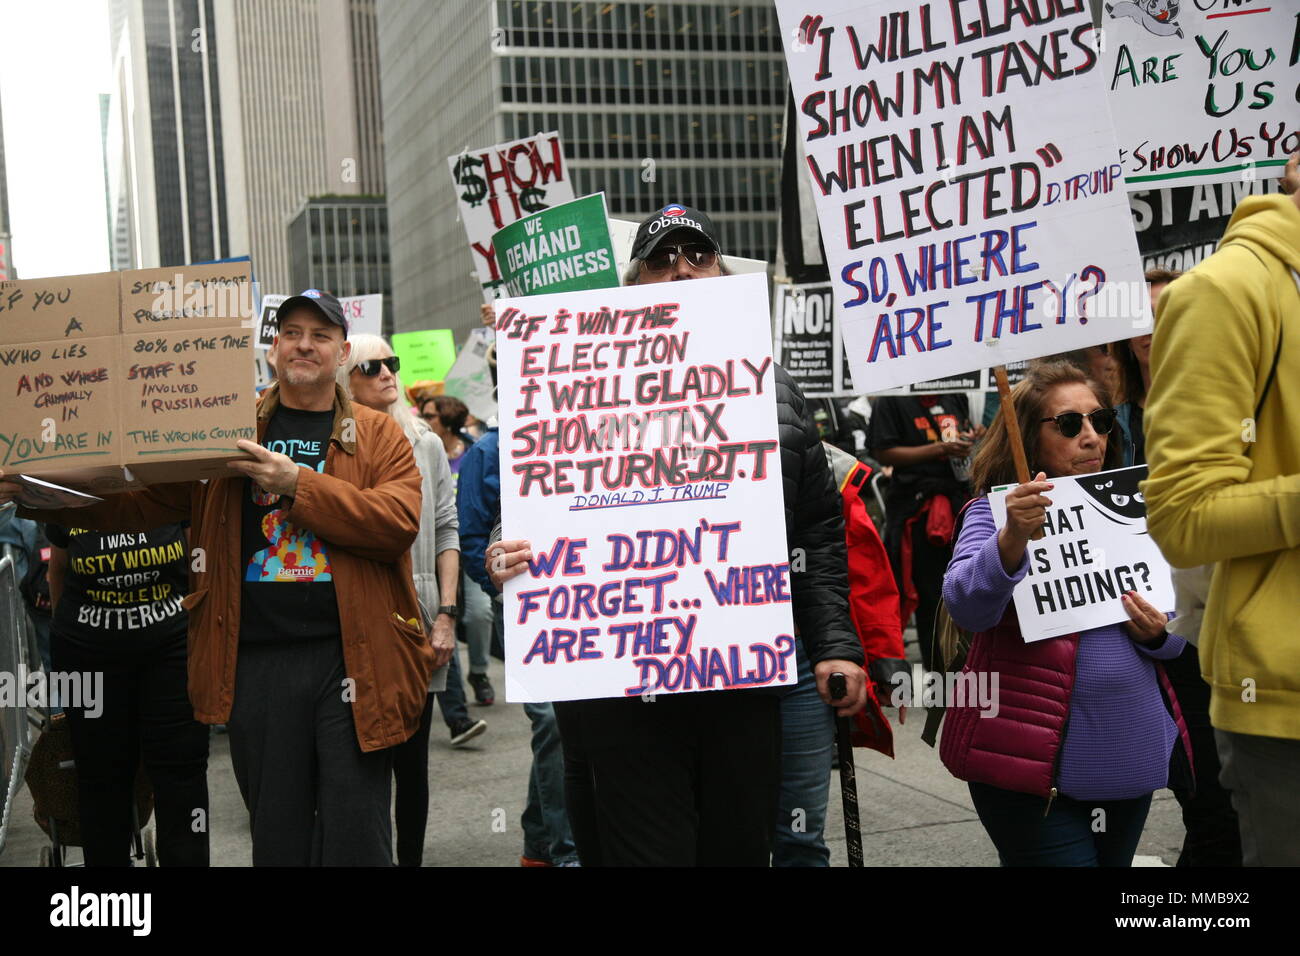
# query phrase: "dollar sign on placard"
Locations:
[[532, 199], [475, 186]]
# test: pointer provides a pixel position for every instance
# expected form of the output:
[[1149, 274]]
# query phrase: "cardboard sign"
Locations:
[[640, 457], [160, 392], [970, 216], [1204, 91], [502, 184], [566, 248], [187, 398], [1095, 547], [427, 354], [470, 378]]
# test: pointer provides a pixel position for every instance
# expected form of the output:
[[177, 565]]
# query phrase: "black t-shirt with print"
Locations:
[[122, 589], [901, 420], [288, 585]]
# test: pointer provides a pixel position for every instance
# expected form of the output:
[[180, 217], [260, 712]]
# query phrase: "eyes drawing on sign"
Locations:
[[1157, 16], [1116, 496]]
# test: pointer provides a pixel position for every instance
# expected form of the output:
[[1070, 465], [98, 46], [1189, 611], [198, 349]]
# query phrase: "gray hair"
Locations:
[[364, 348]]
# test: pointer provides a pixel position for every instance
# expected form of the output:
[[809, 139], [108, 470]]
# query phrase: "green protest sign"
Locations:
[[425, 355], [566, 248]]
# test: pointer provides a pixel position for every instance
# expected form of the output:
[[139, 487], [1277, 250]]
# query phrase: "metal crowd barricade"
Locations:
[[17, 659]]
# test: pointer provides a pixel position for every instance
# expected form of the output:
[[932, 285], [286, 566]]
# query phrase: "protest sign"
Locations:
[[806, 340], [365, 313], [970, 219], [808, 344], [566, 248], [504, 183], [1095, 547], [1202, 91], [266, 328], [640, 457], [148, 369], [1178, 227], [470, 378], [187, 349], [425, 355]]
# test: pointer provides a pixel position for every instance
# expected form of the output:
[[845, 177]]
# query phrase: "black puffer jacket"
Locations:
[[814, 532]]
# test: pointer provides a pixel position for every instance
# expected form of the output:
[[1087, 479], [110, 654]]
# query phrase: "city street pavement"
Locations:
[[914, 813]]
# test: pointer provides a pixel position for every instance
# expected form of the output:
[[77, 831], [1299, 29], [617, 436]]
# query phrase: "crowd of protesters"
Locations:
[[312, 603]]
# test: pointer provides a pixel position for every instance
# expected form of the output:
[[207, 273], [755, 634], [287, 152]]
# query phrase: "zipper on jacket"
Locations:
[[1056, 766]]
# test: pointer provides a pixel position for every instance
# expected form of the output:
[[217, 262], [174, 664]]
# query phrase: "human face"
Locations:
[[430, 415], [1083, 454], [681, 269], [308, 349], [1141, 344], [375, 391]]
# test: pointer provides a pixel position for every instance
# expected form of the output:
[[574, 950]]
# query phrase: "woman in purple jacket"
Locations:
[[1062, 772]]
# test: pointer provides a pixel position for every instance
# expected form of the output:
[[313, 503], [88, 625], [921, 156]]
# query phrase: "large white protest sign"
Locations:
[[1095, 547], [640, 457], [967, 182], [502, 184], [1203, 91]]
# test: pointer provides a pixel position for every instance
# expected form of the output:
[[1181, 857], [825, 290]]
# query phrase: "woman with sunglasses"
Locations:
[[370, 378], [1062, 772]]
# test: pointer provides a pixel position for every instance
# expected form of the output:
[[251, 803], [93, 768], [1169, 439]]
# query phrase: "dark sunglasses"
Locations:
[[665, 257], [371, 368], [1071, 423]]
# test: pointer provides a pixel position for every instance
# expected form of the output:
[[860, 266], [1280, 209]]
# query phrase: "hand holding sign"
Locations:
[[1147, 623], [276, 473], [507, 559], [1026, 511]]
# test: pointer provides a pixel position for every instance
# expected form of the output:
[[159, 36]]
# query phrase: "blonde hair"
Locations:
[[364, 348]]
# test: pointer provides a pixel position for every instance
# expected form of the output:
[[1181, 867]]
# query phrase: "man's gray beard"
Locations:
[[297, 378]]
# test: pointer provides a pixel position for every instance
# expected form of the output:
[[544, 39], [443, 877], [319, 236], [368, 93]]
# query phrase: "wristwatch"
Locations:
[[451, 610]]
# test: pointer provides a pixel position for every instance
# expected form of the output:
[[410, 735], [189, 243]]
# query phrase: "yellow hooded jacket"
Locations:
[[1224, 486]]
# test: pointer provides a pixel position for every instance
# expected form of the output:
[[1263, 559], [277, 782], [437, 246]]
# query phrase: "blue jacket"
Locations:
[[478, 502]]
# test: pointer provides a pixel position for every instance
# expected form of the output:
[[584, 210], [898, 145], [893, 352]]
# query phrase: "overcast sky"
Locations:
[[54, 61]]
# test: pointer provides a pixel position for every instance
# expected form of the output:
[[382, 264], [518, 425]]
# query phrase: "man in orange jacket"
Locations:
[[305, 634]]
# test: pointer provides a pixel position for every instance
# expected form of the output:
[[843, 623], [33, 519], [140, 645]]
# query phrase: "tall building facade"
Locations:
[[655, 103], [227, 116], [6, 255], [165, 152], [340, 243], [300, 82]]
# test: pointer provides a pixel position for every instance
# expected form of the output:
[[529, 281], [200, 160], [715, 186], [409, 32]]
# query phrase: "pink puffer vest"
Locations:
[[1019, 748]]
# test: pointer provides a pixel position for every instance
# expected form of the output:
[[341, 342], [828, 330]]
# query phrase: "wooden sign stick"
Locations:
[[1013, 430]]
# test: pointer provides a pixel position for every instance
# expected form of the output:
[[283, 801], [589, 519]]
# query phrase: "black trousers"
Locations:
[[1213, 837], [683, 780], [411, 790], [143, 714], [313, 797]]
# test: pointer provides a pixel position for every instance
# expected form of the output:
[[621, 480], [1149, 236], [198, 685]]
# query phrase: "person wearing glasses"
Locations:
[[370, 378], [446, 416], [304, 624], [697, 779], [1087, 722]]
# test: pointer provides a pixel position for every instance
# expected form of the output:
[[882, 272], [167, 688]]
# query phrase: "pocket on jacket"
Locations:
[[1263, 644]]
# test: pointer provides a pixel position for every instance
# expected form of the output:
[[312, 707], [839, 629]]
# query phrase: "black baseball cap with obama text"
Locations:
[[326, 305], [669, 219]]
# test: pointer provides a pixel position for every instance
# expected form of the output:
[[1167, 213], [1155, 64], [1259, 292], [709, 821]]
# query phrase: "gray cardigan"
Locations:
[[439, 530]]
